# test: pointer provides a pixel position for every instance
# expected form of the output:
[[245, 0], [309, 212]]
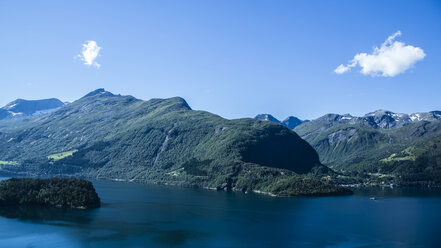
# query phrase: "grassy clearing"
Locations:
[[61, 155], [403, 156], [176, 173], [8, 162]]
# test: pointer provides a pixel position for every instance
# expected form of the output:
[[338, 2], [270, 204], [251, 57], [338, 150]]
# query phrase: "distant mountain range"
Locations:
[[405, 146], [377, 119], [290, 122], [21, 107], [103, 135]]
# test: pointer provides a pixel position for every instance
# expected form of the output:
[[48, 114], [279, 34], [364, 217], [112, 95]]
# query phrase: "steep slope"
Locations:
[[21, 107], [379, 142], [4, 114], [163, 141]]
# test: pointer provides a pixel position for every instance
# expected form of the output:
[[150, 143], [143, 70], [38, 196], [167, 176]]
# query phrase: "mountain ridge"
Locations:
[[103, 135], [378, 119], [22, 107]]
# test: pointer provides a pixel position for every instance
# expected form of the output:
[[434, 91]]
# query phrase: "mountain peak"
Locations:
[[181, 101], [22, 107], [379, 112], [291, 122], [174, 102], [99, 92], [330, 117], [266, 117]]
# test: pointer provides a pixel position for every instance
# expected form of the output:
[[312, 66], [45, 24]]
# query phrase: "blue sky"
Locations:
[[232, 58]]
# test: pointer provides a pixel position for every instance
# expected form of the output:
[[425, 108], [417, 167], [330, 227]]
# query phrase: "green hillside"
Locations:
[[162, 141], [411, 153]]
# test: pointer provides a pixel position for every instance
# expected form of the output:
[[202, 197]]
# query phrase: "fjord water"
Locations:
[[137, 215]]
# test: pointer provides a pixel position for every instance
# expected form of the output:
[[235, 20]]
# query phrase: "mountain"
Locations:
[[266, 117], [4, 114], [21, 107], [386, 119], [290, 122], [103, 135], [407, 147], [380, 119]]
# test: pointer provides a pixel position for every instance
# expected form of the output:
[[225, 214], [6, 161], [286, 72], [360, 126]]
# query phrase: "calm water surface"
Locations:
[[135, 215]]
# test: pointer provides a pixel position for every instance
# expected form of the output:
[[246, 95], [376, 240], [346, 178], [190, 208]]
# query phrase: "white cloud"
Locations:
[[89, 53], [342, 69], [389, 60]]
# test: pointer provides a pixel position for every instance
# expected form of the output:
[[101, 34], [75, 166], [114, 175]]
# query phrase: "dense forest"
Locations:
[[57, 192]]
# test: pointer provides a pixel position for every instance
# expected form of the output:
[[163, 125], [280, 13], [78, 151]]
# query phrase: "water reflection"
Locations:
[[386, 192], [83, 226], [48, 215]]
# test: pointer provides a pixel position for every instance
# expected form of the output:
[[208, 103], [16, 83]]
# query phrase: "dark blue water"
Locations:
[[135, 215]]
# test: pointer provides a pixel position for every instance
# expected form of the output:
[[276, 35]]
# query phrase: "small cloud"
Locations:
[[89, 53], [342, 69], [389, 60]]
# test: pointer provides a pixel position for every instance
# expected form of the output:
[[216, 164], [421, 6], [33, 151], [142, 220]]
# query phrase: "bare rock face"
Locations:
[[342, 135]]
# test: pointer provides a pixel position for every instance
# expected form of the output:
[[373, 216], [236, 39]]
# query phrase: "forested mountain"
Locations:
[[103, 135], [406, 147]]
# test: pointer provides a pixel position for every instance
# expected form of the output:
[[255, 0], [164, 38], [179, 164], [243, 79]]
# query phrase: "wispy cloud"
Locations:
[[389, 60], [89, 53]]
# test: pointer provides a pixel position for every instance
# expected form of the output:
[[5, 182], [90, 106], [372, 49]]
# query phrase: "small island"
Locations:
[[54, 192]]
